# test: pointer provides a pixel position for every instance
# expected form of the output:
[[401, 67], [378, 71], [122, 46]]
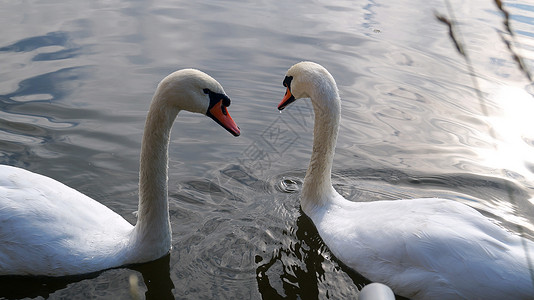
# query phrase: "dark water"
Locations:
[[76, 81]]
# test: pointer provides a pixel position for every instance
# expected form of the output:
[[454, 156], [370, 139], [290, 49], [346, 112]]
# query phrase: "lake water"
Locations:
[[418, 120]]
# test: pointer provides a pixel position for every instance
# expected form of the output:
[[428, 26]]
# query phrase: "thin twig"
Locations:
[[512, 45]]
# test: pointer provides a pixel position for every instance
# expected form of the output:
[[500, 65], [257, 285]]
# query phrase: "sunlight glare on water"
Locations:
[[514, 130]]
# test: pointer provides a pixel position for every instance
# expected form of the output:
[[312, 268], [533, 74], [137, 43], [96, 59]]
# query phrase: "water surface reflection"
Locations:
[[77, 78]]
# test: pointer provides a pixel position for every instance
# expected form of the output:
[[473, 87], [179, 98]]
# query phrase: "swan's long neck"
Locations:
[[317, 189], [153, 226]]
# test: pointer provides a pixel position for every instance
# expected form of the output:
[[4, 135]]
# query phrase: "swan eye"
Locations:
[[226, 101], [287, 82], [216, 98]]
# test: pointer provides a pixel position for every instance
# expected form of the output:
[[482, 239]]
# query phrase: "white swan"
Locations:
[[421, 248], [47, 228]]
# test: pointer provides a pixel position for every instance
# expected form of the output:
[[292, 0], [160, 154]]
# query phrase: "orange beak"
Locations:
[[288, 99], [220, 114]]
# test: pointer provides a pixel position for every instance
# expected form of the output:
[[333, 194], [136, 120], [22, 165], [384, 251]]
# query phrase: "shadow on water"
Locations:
[[296, 280], [155, 274]]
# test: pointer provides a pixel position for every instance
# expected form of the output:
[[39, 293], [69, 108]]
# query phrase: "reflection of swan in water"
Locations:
[[298, 269], [421, 248], [50, 229], [155, 274], [303, 276]]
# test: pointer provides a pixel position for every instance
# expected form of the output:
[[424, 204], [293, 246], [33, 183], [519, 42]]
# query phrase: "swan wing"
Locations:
[[427, 248], [48, 228]]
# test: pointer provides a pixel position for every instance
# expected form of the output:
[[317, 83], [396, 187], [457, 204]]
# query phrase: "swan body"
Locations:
[[422, 248], [50, 229]]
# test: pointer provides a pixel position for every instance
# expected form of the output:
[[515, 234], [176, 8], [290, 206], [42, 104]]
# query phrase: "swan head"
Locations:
[[306, 80], [197, 92]]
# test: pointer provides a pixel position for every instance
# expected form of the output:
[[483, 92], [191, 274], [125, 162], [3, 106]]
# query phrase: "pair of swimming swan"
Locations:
[[421, 248]]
